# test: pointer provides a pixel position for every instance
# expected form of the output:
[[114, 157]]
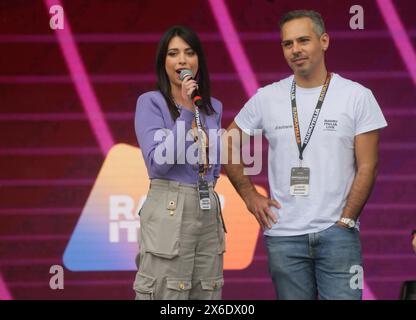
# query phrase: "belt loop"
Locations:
[[172, 197]]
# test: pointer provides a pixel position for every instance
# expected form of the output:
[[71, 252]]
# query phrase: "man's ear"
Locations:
[[325, 41]]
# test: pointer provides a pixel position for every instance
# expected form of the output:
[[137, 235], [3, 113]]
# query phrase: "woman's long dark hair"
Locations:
[[163, 83]]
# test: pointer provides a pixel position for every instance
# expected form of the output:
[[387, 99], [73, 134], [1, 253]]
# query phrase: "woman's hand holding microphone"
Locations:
[[188, 86]]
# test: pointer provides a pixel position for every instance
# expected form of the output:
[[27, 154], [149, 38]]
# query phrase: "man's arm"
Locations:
[[414, 240], [366, 154], [257, 204]]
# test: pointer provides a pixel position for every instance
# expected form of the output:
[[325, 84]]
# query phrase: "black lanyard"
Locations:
[[315, 115]]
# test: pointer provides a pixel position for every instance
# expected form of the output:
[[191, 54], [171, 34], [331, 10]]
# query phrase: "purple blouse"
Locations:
[[151, 121]]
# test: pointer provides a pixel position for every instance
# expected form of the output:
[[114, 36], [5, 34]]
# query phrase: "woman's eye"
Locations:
[[171, 54]]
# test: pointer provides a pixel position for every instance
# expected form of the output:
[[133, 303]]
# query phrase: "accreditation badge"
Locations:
[[299, 181], [203, 193]]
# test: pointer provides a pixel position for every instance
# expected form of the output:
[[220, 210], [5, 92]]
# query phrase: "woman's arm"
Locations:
[[159, 145]]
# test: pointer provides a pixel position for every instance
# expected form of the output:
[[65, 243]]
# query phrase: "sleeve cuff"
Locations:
[[371, 128], [242, 127]]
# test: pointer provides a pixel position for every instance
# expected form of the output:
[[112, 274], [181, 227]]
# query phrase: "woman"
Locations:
[[182, 244]]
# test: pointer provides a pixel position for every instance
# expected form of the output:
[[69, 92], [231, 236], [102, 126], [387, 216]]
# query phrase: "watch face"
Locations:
[[351, 224]]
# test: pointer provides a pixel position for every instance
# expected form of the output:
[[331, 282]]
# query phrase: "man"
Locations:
[[323, 149]]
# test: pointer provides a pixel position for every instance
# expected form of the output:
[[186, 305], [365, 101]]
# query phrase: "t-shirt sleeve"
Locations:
[[368, 114], [250, 117]]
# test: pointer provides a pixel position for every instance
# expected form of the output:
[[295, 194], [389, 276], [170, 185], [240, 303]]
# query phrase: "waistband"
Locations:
[[173, 185]]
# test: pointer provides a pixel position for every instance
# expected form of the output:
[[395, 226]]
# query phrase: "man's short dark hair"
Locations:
[[318, 22]]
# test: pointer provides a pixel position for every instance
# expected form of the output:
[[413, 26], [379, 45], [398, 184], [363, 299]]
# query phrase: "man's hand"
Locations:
[[342, 224], [259, 206], [414, 242]]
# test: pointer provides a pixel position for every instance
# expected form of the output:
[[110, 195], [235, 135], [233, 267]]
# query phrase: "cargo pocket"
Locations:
[[221, 226], [212, 287], [161, 220], [144, 286], [178, 289]]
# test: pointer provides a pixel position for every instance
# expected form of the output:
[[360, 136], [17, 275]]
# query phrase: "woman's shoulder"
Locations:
[[151, 96], [151, 100], [152, 104], [216, 104]]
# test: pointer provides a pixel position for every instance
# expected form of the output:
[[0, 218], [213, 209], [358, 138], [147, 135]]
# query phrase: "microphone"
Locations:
[[196, 98]]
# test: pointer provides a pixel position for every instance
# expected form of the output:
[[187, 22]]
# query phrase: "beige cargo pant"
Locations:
[[182, 246]]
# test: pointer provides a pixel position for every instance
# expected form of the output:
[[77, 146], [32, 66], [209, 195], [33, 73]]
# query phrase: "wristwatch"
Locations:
[[349, 222]]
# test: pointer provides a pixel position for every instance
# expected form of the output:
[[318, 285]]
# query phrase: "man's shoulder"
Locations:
[[281, 85], [351, 86]]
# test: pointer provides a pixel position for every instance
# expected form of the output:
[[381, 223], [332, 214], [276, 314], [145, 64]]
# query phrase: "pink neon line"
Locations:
[[390, 206], [45, 284], [242, 65], [382, 256], [372, 256], [111, 78], [235, 49], [396, 177], [256, 258], [62, 116], [128, 78], [385, 232], [42, 117], [76, 210], [44, 237], [80, 78], [399, 112], [23, 79], [155, 37], [393, 111], [355, 75], [398, 146], [45, 182], [27, 262], [400, 278], [98, 38], [380, 178], [384, 146], [399, 35], [87, 181], [40, 211], [25, 284], [72, 116], [233, 280], [49, 151]]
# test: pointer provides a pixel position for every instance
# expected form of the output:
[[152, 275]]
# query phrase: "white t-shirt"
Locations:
[[349, 109]]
